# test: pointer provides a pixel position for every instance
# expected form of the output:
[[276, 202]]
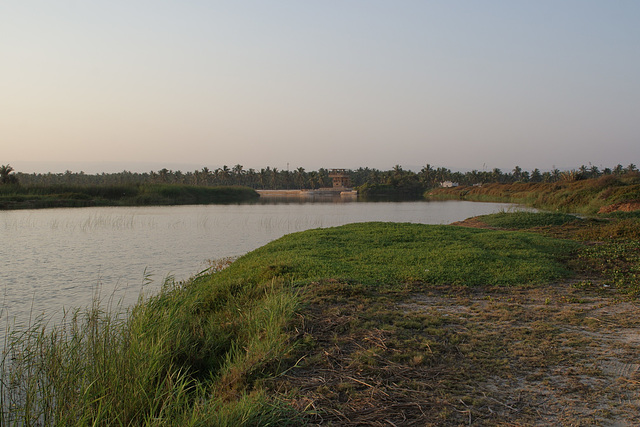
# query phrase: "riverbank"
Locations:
[[57, 196], [606, 194], [527, 318], [322, 194]]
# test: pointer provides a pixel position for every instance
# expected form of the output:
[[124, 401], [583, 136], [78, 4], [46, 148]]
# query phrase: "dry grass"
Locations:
[[551, 355], [586, 196]]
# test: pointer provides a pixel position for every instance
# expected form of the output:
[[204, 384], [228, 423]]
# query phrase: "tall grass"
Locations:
[[165, 362], [96, 367]]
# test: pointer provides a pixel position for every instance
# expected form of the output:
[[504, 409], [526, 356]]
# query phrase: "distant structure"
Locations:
[[449, 184], [340, 179], [341, 186]]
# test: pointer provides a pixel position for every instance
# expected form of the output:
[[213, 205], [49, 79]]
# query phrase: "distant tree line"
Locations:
[[397, 178]]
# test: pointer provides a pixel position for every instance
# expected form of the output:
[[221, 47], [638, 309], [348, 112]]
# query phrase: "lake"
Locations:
[[60, 258]]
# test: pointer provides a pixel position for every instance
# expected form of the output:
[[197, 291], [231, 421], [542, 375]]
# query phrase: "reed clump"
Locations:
[[166, 361]]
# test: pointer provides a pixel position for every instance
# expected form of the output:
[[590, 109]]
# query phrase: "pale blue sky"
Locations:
[[109, 85]]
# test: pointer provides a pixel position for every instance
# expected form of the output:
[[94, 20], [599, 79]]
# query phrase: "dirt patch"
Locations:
[[552, 355], [621, 207], [473, 222]]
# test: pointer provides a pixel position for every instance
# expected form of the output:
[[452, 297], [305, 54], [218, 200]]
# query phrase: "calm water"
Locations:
[[55, 258]]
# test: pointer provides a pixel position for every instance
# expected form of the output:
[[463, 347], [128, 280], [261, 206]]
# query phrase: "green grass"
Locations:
[[618, 262], [632, 214], [394, 254], [200, 352], [524, 220]]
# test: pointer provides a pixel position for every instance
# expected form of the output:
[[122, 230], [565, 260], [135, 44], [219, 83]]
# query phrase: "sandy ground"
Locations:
[[556, 355]]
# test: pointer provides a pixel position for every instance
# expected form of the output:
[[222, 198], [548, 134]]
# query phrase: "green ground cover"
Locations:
[[397, 254], [524, 219]]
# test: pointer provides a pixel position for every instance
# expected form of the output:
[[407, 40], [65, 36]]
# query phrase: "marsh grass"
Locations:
[[17, 197], [164, 362], [94, 367]]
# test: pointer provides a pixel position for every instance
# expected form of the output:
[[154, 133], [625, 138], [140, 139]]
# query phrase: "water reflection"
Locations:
[[297, 197], [303, 199]]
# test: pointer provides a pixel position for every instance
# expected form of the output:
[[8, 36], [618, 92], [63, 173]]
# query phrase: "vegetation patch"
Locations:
[[392, 254], [31, 197], [179, 358], [586, 196], [523, 219]]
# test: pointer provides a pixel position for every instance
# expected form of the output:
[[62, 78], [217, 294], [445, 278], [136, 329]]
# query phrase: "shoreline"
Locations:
[[125, 195], [321, 192]]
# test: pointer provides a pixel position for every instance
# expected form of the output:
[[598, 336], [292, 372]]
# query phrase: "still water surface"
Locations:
[[55, 258]]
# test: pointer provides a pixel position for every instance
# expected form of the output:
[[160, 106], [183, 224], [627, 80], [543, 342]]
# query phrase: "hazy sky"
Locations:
[[140, 85]]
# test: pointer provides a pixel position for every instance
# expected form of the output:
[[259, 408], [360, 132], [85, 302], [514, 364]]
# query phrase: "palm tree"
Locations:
[[426, 173], [262, 177], [517, 173], [397, 171], [163, 175], [274, 178], [250, 178], [496, 175], [301, 177], [6, 177], [205, 175], [583, 172], [225, 174], [536, 176], [314, 179]]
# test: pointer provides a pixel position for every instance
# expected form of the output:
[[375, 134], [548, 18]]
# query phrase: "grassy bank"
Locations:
[[354, 324], [587, 196], [33, 197]]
